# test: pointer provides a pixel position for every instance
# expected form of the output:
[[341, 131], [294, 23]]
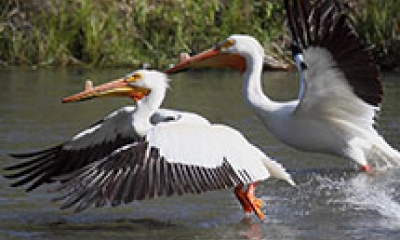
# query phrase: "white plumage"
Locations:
[[340, 89], [144, 152]]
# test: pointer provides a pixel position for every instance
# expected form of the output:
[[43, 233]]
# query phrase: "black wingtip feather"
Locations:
[[325, 24], [35, 153]]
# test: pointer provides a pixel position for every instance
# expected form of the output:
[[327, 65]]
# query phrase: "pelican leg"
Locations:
[[241, 196], [255, 202], [248, 201]]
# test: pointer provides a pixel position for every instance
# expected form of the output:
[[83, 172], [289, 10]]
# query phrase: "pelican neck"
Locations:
[[145, 108], [252, 85]]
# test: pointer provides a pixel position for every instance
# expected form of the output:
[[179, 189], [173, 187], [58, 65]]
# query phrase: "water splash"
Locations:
[[366, 193]]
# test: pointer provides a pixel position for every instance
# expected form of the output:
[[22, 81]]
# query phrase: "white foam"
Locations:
[[366, 193]]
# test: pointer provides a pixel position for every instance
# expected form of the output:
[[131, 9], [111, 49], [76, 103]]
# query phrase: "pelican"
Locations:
[[340, 86], [141, 152]]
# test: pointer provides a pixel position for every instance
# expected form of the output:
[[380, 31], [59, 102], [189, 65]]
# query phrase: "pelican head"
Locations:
[[135, 85], [229, 53]]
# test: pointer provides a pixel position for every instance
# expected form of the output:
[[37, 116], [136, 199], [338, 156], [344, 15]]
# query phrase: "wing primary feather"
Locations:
[[226, 181], [205, 180], [157, 177], [152, 177], [303, 8], [138, 182], [232, 173], [247, 176], [43, 179], [73, 179], [212, 178], [88, 199], [146, 184], [73, 199], [163, 177], [145, 180], [37, 167], [222, 178], [218, 178], [37, 159], [291, 20], [138, 155], [30, 177], [86, 202], [36, 153], [196, 174], [129, 192], [169, 181], [297, 22], [177, 173], [185, 181], [112, 185], [192, 180], [116, 195]]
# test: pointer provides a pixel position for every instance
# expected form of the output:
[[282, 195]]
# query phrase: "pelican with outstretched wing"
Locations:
[[143, 152], [340, 85]]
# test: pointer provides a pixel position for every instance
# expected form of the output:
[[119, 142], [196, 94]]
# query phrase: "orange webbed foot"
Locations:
[[249, 202], [256, 205]]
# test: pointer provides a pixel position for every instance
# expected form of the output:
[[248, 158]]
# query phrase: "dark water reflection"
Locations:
[[325, 205]]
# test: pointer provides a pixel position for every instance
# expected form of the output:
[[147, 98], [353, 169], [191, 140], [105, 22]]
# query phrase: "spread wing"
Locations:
[[98, 141], [341, 79], [174, 158], [88, 146]]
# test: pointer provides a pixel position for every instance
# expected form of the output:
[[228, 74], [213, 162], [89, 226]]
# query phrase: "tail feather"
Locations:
[[278, 171], [383, 156]]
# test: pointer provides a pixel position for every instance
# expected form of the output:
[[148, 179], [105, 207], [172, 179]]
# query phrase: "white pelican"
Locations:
[[141, 152], [340, 90]]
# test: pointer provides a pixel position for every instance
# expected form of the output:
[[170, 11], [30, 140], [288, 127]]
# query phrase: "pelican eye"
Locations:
[[135, 77]]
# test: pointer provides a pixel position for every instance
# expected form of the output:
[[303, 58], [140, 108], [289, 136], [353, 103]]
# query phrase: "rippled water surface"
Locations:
[[326, 204]]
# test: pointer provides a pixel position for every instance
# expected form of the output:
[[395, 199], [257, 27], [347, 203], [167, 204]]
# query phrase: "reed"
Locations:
[[379, 23], [133, 32], [127, 32]]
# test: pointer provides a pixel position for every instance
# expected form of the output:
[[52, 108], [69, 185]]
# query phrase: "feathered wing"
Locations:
[[342, 82], [86, 147], [174, 158], [96, 142], [341, 79]]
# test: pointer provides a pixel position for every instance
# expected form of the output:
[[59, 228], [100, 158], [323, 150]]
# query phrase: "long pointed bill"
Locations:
[[116, 88], [210, 58]]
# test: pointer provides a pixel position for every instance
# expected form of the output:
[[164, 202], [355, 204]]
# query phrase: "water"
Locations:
[[326, 204]]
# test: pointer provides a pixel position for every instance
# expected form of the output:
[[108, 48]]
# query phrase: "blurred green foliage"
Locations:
[[378, 22], [132, 32], [126, 32]]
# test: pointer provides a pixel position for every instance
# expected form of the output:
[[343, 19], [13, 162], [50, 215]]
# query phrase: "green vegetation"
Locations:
[[132, 32], [127, 32], [379, 23]]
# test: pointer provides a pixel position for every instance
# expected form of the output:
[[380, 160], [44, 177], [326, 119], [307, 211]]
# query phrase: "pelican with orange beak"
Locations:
[[340, 85], [144, 152]]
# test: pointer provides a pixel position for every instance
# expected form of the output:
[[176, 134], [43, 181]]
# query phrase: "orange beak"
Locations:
[[210, 58], [116, 88]]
